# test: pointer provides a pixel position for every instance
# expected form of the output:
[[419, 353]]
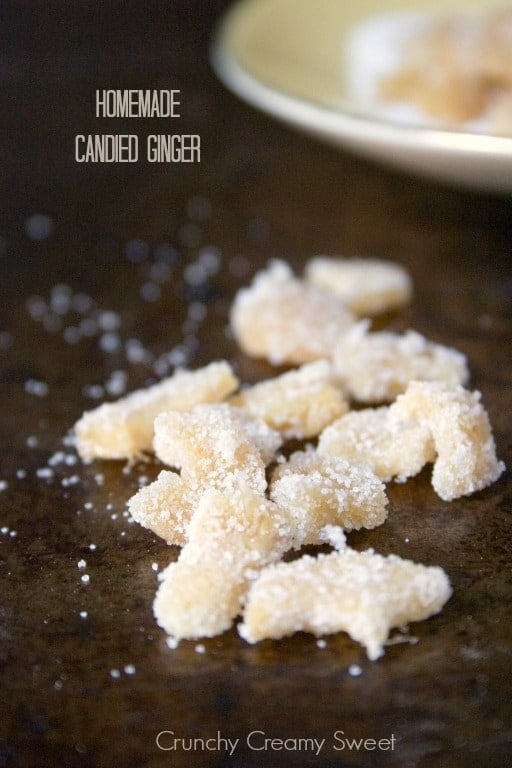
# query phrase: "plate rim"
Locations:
[[345, 125]]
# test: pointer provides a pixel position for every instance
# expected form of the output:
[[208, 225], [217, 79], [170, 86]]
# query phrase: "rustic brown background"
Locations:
[[272, 193]]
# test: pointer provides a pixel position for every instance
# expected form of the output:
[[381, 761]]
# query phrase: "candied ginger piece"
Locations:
[[299, 403], [367, 286], [166, 506], [208, 443], [394, 447], [376, 367], [362, 593], [320, 490], [231, 537], [124, 429], [287, 320], [466, 453], [200, 441]]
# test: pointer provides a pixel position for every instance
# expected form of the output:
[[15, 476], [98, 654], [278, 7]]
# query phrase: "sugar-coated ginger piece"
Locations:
[[466, 453], [287, 320], [394, 447], [299, 403], [362, 593], [208, 443], [124, 429], [166, 506], [367, 286], [214, 446], [320, 490], [232, 535], [377, 367]]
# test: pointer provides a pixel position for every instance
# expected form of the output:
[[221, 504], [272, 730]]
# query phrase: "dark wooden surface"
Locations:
[[271, 193]]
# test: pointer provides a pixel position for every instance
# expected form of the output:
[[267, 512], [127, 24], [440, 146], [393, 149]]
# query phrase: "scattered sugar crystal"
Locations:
[[160, 272], [83, 614], [45, 473], [150, 291], [197, 311], [92, 547], [210, 259], [129, 669], [321, 643], [60, 299], [85, 579], [38, 226], [13, 534], [137, 250], [116, 384], [355, 670], [109, 320], [32, 441], [110, 342], [200, 648], [88, 327], [3, 484], [72, 334], [81, 564], [195, 273], [115, 673], [172, 642], [82, 303], [36, 307], [94, 391], [136, 352], [71, 480], [165, 253], [4, 529], [154, 566], [35, 387]]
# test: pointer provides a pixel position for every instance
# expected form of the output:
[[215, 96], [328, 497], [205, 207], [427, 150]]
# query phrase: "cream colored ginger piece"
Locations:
[[287, 320], [232, 535], [124, 429], [299, 403], [166, 506], [466, 453], [209, 442], [320, 490], [394, 447], [376, 367], [214, 445], [362, 593], [367, 286]]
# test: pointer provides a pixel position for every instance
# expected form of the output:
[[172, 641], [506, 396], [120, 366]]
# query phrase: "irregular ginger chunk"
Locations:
[[394, 447], [466, 453], [124, 429], [287, 320], [320, 490], [231, 537], [376, 367], [367, 286], [299, 403], [361, 593]]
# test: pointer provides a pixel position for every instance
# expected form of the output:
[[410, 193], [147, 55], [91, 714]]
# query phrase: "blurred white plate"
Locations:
[[289, 59]]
